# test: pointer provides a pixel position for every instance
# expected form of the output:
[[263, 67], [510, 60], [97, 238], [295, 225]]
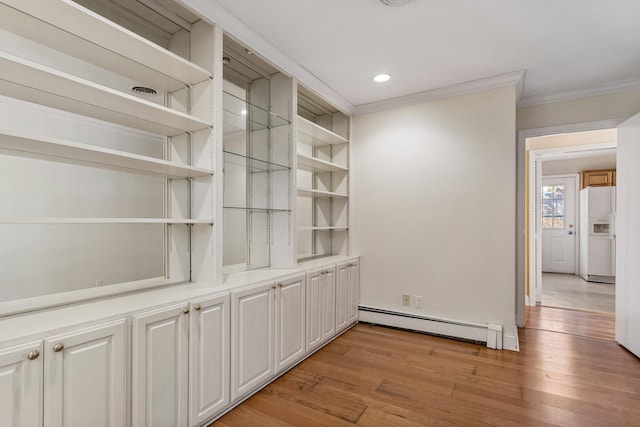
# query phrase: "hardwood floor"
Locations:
[[377, 376]]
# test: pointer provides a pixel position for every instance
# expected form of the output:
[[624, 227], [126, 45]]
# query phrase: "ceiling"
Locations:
[[562, 45]]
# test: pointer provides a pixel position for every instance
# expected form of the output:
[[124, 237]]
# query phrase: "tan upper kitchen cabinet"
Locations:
[[598, 178]]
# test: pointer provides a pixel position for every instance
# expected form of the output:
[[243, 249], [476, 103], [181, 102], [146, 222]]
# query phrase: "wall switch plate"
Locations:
[[406, 300], [418, 299]]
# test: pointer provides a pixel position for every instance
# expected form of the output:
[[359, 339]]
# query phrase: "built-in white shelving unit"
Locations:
[[322, 147], [171, 178]]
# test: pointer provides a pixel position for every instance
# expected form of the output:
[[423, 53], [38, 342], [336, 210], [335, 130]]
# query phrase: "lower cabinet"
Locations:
[[74, 379], [321, 306], [209, 358], [172, 346], [347, 294], [267, 332]]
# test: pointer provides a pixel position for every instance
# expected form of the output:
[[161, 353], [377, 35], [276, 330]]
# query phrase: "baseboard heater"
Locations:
[[491, 334]]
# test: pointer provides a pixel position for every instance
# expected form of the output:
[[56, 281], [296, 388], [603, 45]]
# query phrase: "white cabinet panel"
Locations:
[[160, 368], [314, 314], [209, 358], [290, 330], [252, 338], [328, 296], [342, 296], [354, 291], [84, 380], [21, 386]]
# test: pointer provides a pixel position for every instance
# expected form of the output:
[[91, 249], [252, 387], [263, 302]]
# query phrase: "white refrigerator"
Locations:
[[597, 234]]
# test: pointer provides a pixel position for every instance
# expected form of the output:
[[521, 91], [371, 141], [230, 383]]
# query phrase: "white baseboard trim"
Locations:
[[478, 332]]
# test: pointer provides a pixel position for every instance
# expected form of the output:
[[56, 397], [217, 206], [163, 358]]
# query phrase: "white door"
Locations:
[[160, 368], [84, 377], [558, 224], [209, 357], [252, 338], [628, 235], [21, 386], [290, 322]]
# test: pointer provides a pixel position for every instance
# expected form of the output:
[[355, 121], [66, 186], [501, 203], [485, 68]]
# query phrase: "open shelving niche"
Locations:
[[182, 119], [322, 163], [257, 146]]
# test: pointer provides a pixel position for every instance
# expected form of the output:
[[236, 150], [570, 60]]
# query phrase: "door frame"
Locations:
[[522, 241]]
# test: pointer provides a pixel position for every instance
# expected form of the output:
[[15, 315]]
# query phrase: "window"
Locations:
[[553, 206]]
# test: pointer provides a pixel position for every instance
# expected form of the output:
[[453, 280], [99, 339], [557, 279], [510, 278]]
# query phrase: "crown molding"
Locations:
[[514, 78], [215, 13], [585, 92]]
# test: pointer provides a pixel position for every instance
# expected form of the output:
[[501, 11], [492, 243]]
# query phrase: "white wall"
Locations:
[[433, 207]]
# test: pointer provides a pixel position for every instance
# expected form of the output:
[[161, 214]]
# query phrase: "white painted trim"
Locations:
[[601, 89], [511, 341], [214, 12], [494, 82], [445, 327]]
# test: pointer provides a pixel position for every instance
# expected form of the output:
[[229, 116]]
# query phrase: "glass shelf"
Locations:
[[255, 165], [240, 115]]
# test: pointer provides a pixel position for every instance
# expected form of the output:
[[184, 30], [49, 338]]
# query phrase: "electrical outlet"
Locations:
[[418, 299], [99, 282], [406, 300]]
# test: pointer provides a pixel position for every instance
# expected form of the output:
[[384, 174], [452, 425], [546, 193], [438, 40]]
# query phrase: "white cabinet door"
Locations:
[[313, 308], [209, 357], [328, 304], [290, 322], [252, 338], [21, 386], [342, 296], [160, 368], [84, 377], [354, 292]]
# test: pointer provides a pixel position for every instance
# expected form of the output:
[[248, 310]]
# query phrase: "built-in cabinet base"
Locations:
[[180, 356]]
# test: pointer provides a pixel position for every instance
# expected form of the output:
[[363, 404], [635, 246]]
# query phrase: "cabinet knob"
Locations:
[[185, 310], [273, 286], [197, 307], [280, 284], [33, 355], [58, 347]]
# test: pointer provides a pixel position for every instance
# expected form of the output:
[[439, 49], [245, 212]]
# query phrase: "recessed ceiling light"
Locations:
[[381, 78]]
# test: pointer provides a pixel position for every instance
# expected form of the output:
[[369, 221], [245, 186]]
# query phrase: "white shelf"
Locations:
[[316, 165], [329, 228], [84, 34], [50, 220], [38, 146], [320, 194], [32, 82], [318, 135]]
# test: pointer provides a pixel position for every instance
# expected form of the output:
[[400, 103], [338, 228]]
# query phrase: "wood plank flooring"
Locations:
[[377, 376]]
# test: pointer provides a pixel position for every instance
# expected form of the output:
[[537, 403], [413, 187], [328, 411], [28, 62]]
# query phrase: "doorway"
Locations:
[[553, 159]]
